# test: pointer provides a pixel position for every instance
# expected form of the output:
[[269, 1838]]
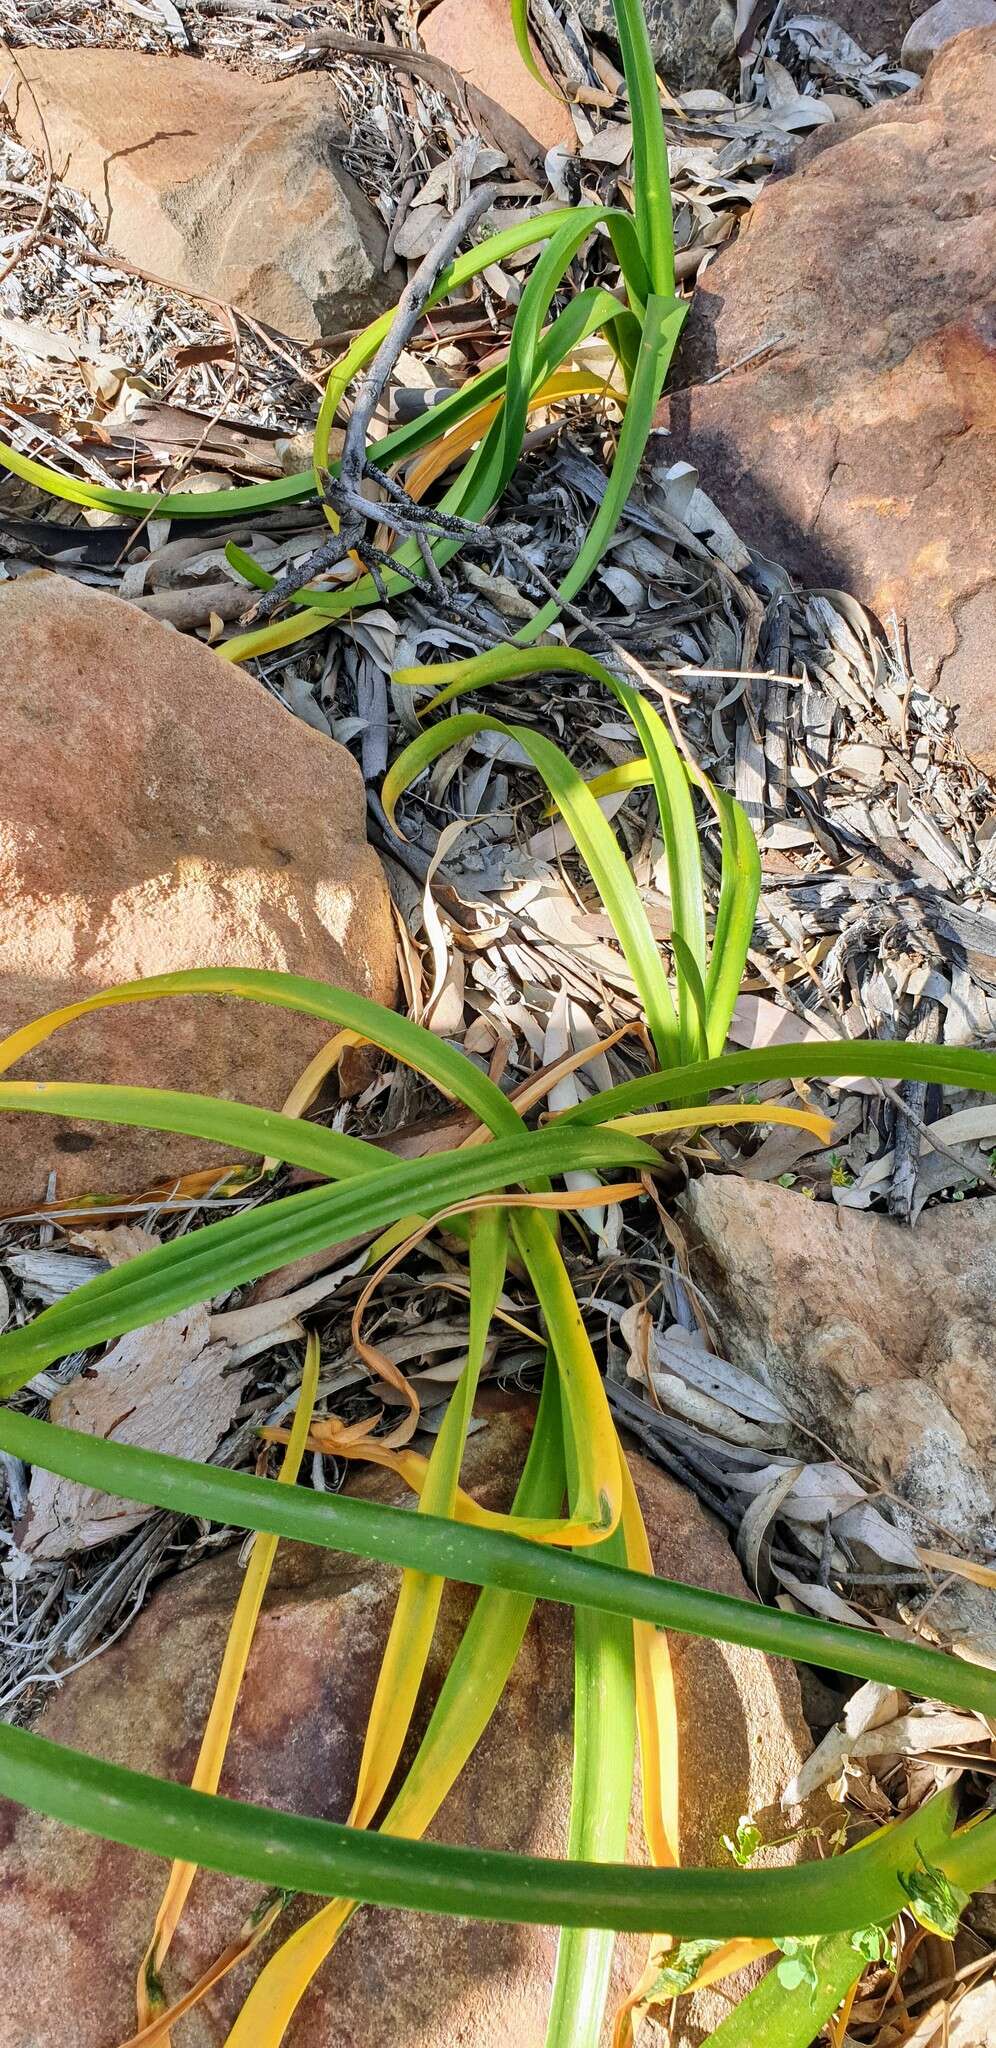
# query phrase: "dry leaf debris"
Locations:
[[878, 844]]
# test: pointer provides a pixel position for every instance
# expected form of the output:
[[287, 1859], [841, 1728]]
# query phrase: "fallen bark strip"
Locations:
[[523, 150]]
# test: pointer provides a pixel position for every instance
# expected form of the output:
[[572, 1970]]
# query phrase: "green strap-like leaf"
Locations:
[[951, 1066], [223, 1255], [415, 1047], [301, 1854], [486, 1557], [265, 1131], [520, 374], [651, 184], [793, 2019], [601, 1797], [740, 887], [519, 10]]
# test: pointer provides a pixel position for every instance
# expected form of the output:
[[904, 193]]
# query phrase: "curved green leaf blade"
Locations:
[[595, 840], [485, 1557], [793, 2019], [212, 1261], [601, 1796], [665, 318], [739, 889], [651, 184], [951, 1066], [239, 1124], [301, 1854], [451, 1071]]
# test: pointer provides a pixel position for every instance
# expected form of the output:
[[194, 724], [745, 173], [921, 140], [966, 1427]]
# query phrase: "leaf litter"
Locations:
[[877, 838]]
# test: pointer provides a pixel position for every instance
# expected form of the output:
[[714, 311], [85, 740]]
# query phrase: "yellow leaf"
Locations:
[[207, 1771], [656, 1708], [263, 2020], [438, 457], [963, 1567], [656, 1121], [307, 1085]]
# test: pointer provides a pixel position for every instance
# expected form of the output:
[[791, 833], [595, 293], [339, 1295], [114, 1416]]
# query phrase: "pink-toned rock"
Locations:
[[217, 182], [879, 1337], [75, 1913], [861, 451], [159, 810], [478, 41]]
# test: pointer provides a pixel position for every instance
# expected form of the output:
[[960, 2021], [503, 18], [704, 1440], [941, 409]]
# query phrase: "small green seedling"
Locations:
[[745, 1843], [798, 1962], [874, 1944], [932, 1898]]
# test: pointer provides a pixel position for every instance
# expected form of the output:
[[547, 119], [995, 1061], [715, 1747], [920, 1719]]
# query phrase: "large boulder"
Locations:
[[860, 449], [75, 1913], [159, 810], [215, 181], [880, 1338]]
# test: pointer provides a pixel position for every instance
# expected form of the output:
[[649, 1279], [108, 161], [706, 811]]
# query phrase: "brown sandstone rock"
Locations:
[[881, 1338], [159, 810], [478, 41], [75, 1913], [862, 452], [215, 181]]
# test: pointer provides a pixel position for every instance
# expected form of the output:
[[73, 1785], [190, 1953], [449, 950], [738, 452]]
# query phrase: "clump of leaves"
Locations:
[[487, 415], [500, 1193]]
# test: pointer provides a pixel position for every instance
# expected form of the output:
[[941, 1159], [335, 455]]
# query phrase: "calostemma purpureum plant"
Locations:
[[500, 1193], [487, 416]]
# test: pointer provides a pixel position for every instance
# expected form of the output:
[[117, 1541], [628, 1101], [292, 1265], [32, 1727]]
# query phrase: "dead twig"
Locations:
[[345, 495], [924, 1030], [408, 312]]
